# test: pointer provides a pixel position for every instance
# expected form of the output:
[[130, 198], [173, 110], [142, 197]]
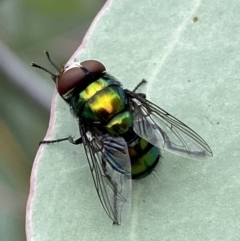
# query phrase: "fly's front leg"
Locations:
[[69, 138]]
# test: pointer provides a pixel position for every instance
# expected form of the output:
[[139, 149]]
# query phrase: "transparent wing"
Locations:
[[165, 131], [110, 166]]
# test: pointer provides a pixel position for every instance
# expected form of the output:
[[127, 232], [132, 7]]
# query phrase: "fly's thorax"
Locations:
[[144, 157], [80, 98], [104, 101]]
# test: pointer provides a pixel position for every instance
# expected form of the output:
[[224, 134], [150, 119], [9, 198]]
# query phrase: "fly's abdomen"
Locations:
[[144, 158]]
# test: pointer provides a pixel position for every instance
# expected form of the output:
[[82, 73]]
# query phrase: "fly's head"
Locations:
[[76, 76]]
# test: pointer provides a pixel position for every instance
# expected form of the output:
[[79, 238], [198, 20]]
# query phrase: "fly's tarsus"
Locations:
[[69, 138]]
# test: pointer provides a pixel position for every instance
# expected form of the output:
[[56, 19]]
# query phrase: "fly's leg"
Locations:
[[69, 138], [143, 81]]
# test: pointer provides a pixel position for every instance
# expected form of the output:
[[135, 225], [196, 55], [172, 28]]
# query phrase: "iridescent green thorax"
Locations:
[[104, 101], [144, 158]]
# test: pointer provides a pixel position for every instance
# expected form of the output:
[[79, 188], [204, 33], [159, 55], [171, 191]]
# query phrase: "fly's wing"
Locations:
[[165, 131], [110, 166]]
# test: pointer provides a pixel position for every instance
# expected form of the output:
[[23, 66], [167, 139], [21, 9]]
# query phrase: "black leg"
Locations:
[[143, 81], [69, 138]]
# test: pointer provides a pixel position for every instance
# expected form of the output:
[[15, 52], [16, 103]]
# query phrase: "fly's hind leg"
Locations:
[[69, 138]]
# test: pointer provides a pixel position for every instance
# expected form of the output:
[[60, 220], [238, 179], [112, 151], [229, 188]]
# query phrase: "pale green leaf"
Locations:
[[189, 53]]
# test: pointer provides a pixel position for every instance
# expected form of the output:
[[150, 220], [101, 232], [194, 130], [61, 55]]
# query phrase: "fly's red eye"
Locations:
[[69, 80], [93, 66], [76, 76]]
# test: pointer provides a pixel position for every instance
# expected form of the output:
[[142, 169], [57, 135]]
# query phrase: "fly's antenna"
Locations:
[[54, 76], [46, 70], [54, 65]]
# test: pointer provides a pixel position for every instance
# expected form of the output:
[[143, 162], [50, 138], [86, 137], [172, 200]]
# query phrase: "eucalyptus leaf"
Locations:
[[188, 52]]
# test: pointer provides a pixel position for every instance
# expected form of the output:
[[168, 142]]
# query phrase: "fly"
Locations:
[[122, 132]]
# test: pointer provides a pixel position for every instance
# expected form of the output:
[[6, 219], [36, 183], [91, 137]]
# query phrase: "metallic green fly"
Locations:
[[122, 132]]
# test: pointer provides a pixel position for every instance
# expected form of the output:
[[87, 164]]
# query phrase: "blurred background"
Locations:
[[27, 28]]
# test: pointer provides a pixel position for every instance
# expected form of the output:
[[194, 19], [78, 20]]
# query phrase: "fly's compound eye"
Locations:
[[83, 75], [77, 75]]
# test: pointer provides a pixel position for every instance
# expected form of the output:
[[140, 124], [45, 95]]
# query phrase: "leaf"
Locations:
[[186, 51]]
